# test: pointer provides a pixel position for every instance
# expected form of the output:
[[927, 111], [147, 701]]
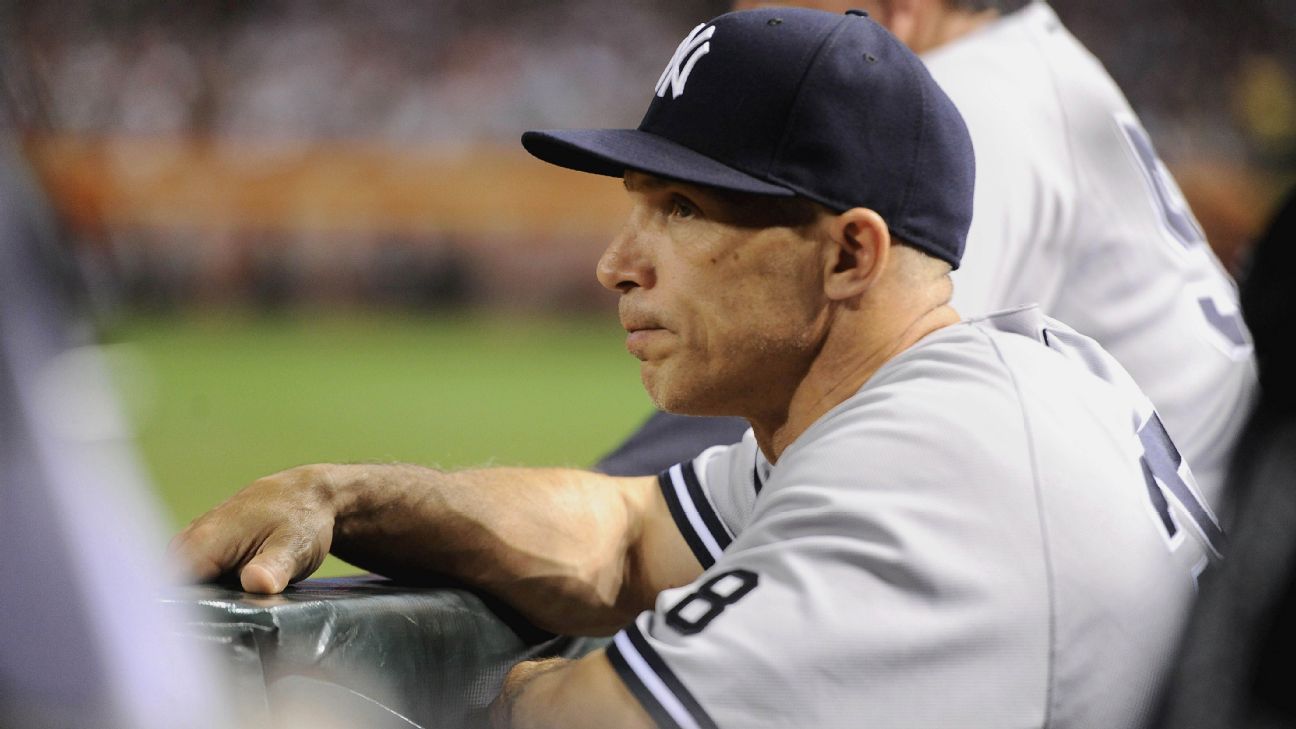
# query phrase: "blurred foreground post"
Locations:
[[84, 640]]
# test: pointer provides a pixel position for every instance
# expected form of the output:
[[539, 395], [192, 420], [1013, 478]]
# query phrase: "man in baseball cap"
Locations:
[[908, 534], [1072, 208]]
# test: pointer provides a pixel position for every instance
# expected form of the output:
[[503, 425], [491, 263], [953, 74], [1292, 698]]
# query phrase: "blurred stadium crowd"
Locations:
[[298, 151]]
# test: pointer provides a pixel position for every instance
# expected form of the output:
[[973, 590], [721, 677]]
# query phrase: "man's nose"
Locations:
[[625, 264]]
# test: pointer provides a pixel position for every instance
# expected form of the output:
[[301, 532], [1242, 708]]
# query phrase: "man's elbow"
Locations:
[[576, 605]]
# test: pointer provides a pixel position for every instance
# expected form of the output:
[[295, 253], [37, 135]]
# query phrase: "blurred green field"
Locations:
[[219, 400]]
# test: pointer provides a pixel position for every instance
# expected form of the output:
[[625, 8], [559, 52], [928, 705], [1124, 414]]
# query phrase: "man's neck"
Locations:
[[845, 363]]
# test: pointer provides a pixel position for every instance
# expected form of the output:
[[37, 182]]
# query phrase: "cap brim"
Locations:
[[613, 151]]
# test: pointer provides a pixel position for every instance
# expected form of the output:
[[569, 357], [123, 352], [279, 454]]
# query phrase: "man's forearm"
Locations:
[[553, 543], [573, 551]]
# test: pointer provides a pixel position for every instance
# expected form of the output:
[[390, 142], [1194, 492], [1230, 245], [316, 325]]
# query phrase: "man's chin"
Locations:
[[648, 376], [672, 396], [658, 386]]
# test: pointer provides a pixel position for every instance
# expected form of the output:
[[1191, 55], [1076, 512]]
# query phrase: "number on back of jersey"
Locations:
[[1214, 296]]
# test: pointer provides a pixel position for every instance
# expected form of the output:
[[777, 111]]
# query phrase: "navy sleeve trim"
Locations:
[[702, 528], [652, 682], [708, 513]]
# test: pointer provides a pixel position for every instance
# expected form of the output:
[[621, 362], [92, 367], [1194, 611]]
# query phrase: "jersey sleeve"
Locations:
[[711, 497]]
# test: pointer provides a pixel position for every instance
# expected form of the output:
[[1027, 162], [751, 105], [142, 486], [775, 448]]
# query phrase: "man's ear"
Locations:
[[858, 254]]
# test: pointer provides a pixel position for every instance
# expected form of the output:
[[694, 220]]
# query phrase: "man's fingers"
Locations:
[[283, 557], [268, 572], [257, 577], [192, 554]]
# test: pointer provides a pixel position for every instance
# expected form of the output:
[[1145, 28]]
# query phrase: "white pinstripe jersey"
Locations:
[[1074, 211], [993, 532]]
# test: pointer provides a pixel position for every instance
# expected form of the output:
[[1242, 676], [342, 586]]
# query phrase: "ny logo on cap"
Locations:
[[686, 56]]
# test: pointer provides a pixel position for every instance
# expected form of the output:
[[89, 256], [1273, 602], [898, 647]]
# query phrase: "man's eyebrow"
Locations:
[[644, 181]]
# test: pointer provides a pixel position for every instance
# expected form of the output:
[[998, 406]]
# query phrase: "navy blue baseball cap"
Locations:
[[790, 101]]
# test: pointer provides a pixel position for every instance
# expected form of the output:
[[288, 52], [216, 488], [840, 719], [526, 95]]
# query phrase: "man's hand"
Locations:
[[558, 692], [501, 710], [276, 531]]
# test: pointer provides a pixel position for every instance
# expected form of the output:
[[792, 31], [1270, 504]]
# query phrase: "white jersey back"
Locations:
[[1075, 212], [990, 533]]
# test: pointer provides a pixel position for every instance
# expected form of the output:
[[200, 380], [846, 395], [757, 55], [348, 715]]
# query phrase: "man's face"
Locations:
[[722, 299], [879, 10]]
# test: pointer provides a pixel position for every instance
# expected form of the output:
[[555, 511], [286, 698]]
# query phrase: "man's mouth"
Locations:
[[640, 338], [644, 330]]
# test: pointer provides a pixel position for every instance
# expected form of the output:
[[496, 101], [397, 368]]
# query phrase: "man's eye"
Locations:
[[681, 208]]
